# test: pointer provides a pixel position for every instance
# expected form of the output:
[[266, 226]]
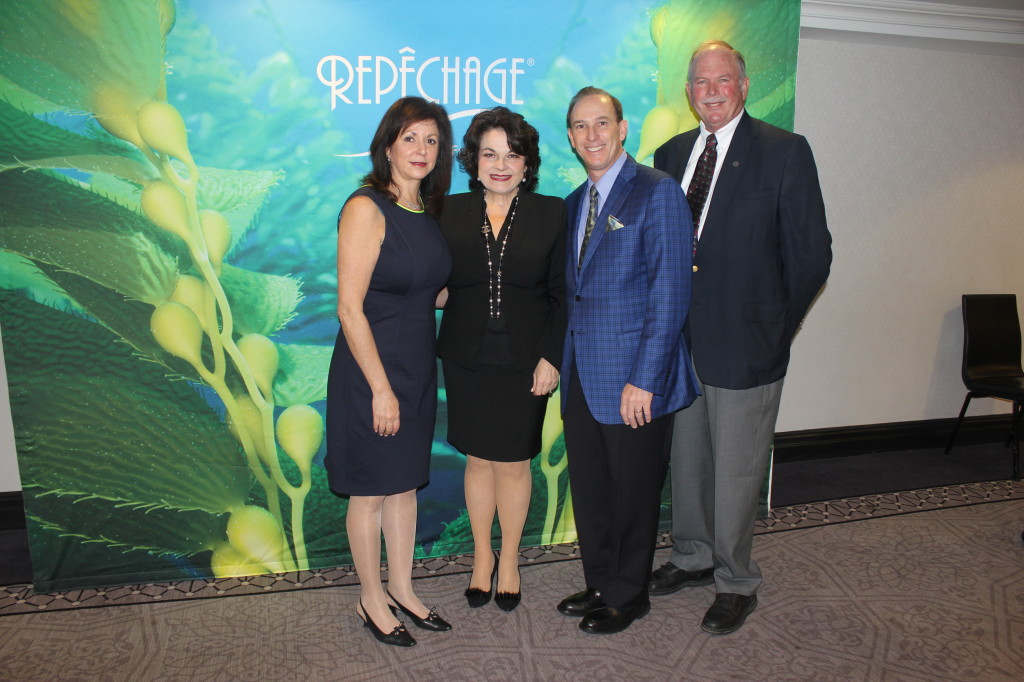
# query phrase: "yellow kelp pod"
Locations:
[[176, 329], [164, 205], [658, 21], [300, 431], [163, 129], [660, 124], [255, 533], [217, 234], [116, 113], [228, 562], [193, 293], [262, 356]]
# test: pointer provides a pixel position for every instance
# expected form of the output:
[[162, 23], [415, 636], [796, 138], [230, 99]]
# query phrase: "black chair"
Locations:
[[992, 365]]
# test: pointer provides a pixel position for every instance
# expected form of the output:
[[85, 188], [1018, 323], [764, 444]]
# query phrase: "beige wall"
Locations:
[[8, 461], [921, 156]]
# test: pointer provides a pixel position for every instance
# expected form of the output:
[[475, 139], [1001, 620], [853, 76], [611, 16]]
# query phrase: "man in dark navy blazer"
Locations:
[[625, 366], [762, 254]]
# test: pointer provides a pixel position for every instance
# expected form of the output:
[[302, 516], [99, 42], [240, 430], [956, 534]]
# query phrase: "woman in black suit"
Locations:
[[501, 334]]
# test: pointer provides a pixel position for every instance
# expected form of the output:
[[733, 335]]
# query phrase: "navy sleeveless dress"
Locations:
[[413, 265]]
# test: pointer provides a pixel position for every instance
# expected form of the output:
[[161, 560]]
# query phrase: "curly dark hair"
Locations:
[[399, 116], [522, 139]]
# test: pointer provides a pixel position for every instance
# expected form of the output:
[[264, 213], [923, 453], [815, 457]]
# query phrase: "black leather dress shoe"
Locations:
[[728, 613], [609, 620], [580, 604], [670, 578]]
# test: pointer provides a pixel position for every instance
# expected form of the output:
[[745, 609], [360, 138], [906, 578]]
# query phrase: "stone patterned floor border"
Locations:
[[18, 599]]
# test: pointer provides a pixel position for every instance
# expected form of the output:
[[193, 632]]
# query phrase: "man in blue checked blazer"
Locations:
[[625, 367]]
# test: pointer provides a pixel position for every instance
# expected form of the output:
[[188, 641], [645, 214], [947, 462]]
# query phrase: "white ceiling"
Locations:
[[996, 25]]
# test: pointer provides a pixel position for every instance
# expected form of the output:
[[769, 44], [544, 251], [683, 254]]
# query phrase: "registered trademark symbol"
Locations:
[[530, 61]]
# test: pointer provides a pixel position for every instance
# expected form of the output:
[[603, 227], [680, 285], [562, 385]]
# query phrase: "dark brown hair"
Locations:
[[587, 92], [399, 116], [522, 139]]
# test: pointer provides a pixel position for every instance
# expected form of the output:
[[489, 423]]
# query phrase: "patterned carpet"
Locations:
[[15, 599], [925, 585]]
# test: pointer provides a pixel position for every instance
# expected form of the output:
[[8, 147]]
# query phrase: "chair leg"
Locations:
[[1018, 410], [959, 421]]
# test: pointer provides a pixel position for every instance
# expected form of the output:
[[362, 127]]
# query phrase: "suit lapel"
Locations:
[[728, 178], [682, 157], [616, 198], [572, 204]]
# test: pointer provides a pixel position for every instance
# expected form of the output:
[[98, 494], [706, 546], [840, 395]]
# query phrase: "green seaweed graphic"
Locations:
[[766, 34], [124, 238], [167, 305]]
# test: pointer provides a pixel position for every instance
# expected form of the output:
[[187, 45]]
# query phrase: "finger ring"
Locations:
[[638, 410]]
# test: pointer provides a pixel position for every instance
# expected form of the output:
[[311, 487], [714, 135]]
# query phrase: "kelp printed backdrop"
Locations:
[[170, 177]]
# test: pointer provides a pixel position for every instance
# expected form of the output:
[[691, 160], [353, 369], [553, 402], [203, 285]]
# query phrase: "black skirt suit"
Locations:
[[491, 412]]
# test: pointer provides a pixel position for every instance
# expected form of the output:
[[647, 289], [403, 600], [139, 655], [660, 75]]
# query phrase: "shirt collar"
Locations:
[[724, 134], [605, 183]]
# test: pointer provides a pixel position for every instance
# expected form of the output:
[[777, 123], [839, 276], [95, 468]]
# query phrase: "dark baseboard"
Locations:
[[790, 446], [12, 511], [844, 441]]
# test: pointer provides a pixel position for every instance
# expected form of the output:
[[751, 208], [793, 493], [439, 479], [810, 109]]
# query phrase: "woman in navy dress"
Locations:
[[382, 385]]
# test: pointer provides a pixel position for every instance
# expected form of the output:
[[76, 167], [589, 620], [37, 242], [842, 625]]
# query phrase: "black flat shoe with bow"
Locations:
[[432, 621], [399, 636]]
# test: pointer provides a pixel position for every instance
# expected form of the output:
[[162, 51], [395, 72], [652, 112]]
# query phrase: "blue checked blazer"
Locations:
[[628, 302]]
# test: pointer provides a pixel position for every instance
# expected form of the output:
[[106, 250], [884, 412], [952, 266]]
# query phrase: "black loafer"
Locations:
[[728, 613], [670, 578], [580, 604], [609, 620]]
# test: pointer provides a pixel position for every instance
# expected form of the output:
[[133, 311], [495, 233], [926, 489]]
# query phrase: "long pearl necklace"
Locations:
[[494, 280]]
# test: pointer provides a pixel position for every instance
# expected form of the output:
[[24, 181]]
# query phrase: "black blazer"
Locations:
[[532, 282], [764, 253]]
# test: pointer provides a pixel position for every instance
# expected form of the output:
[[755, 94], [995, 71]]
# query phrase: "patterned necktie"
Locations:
[[591, 219], [700, 183]]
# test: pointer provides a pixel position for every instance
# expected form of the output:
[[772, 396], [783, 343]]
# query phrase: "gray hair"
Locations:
[[709, 45]]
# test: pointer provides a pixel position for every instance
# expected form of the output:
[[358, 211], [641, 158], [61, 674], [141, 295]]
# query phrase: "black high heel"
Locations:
[[476, 597], [399, 636], [508, 601], [432, 622]]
